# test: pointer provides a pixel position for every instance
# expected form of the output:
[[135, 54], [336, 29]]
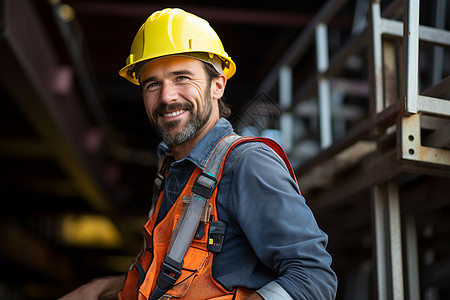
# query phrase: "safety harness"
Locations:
[[202, 190], [190, 222]]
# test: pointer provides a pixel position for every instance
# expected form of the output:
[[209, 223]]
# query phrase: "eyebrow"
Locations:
[[171, 74]]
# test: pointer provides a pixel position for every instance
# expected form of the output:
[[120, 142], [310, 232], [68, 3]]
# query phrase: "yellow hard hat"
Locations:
[[173, 31]]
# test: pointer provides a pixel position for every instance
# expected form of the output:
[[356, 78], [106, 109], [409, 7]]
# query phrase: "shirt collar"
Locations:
[[202, 151]]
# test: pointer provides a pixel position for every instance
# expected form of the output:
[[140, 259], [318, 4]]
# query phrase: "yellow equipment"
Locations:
[[173, 31]]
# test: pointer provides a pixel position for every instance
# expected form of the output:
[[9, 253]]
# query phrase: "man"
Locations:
[[272, 247]]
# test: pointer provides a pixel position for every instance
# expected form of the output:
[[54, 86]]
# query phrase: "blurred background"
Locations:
[[356, 91]]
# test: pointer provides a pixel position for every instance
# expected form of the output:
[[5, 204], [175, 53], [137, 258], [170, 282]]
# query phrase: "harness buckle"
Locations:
[[204, 185], [168, 275], [158, 183]]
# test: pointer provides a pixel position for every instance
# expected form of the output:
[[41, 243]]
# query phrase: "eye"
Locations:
[[151, 85], [181, 78]]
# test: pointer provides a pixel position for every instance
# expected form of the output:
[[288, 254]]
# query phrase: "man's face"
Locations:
[[177, 97]]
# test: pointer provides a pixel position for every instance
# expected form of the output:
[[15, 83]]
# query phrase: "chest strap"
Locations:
[[202, 190]]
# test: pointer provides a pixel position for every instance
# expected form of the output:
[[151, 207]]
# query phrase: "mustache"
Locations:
[[164, 108]]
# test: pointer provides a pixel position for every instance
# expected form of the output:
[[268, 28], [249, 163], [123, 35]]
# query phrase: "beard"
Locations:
[[194, 123]]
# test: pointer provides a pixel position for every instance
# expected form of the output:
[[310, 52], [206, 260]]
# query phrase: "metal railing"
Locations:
[[399, 109]]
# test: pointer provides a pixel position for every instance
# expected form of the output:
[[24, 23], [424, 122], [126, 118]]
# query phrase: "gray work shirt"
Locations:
[[272, 243]]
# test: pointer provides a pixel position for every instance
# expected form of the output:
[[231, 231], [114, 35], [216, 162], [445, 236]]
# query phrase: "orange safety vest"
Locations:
[[196, 280]]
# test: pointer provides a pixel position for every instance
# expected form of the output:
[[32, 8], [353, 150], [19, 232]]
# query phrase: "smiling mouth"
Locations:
[[174, 113]]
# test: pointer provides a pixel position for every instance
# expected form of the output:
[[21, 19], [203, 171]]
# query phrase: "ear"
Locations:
[[218, 87]]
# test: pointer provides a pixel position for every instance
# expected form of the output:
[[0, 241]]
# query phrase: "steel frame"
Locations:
[[398, 110]]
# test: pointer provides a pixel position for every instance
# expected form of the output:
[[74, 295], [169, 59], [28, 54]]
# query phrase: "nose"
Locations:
[[168, 93]]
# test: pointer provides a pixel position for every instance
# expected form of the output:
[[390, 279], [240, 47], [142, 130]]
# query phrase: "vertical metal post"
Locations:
[[412, 258], [286, 119], [379, 236], [411, 54], [377, 58], [388, 244], [326, 138], [395, 241]]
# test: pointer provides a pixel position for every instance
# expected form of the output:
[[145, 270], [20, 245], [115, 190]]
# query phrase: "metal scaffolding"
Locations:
[[374, 178], [363, 111]]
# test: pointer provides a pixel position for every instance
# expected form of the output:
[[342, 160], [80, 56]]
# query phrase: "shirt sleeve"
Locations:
[[273, 290], [280, 227]]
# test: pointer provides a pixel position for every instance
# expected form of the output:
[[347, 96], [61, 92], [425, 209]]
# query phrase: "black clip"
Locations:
[[168, 275], [204, 185], [216, 236]]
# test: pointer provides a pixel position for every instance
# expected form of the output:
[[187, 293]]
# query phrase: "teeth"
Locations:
[[173, 114]]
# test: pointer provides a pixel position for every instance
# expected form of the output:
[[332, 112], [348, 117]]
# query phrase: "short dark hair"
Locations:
[[224, 109]]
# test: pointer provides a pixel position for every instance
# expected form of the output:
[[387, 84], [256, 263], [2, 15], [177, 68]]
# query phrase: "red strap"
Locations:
[[272, 144]]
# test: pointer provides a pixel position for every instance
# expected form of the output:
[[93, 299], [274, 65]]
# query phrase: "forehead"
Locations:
[[170, 64]]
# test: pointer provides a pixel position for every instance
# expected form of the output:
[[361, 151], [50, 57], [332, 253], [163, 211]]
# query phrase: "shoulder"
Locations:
[[254, 155]]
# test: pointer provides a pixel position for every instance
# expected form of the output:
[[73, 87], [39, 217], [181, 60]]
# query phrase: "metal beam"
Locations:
[[218, 15], [374, 125], [410, 56], [28, 74], [286, 119], [395, 239], [433, 106], [426, 34], [412, 258], [323, 85], [376, 52], [380, 240], [388, 241], [411, 148], [302, 43], [380, 166], [73, 41]]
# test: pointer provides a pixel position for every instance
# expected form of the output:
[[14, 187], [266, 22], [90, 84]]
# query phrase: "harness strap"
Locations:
[[158, 183], [275, 147], [202, 190]]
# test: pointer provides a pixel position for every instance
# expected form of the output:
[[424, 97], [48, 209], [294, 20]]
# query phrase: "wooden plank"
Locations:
[[371, 126]]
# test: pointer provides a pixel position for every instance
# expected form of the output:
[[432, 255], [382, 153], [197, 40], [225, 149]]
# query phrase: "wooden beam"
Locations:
[[217, 15], [28, 72]]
